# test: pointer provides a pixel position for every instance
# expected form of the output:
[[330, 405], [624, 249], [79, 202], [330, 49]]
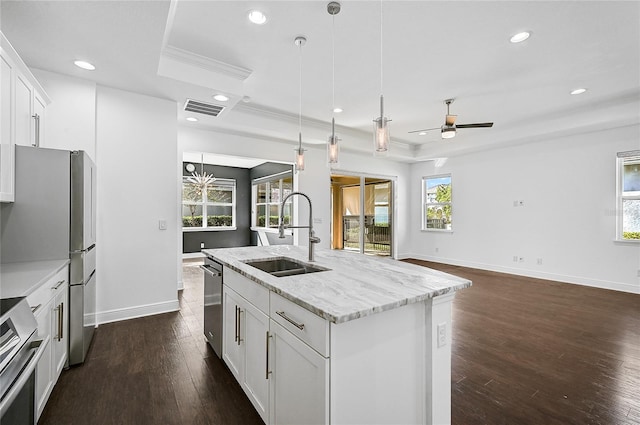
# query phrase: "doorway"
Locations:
[[362, 214]]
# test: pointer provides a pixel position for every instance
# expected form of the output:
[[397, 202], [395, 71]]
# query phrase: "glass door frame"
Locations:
[[393, 180]]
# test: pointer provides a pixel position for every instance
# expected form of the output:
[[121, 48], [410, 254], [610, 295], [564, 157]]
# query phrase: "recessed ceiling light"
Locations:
[[192, 119], [422, 133], [257, 17], [520, 37], [337, 110], [220, 98], [84, 65], [579, 91], [246, 99]]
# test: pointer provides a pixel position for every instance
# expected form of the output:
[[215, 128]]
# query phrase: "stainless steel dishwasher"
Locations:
[[213, 304]]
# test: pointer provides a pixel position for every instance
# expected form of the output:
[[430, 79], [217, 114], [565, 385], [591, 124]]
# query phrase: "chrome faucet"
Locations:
[[312, 237]]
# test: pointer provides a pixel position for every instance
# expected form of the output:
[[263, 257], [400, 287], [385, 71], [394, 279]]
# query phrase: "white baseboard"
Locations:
[[576, 280], [137, 311]]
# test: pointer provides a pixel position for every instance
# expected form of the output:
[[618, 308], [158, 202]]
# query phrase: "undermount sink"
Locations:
[[283, 266]]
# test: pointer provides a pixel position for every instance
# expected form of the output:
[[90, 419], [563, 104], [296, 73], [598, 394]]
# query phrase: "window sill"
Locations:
[[207, 229], [627, 241], [437, 230]]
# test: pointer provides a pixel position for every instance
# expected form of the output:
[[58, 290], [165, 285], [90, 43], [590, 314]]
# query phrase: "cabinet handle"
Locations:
[[34, 309], [57, 310], [267, 371], [61, 321], [60, 282], [239, 323], [288, 319], [36, 141], [236, 330]]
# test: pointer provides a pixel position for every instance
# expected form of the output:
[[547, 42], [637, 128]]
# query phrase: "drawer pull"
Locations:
[[60, 282], [288, 319], [34, 309]]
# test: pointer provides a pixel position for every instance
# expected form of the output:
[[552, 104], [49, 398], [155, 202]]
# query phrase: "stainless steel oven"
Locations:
[[20, 351], [213, 304]]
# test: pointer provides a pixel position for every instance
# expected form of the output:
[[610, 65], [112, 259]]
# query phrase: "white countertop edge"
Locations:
[[22, 279]]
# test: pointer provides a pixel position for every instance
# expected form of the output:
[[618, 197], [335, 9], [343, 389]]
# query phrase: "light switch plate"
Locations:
[[162, 224]]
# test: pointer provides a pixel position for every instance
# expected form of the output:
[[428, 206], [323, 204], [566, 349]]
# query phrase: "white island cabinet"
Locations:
[[366, 341]]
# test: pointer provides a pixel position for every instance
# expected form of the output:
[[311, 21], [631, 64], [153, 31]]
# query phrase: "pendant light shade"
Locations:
[[300, 41], [333, 148], [381, 135]]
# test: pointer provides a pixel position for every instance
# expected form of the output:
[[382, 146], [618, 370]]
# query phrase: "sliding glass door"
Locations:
[[362, 214]]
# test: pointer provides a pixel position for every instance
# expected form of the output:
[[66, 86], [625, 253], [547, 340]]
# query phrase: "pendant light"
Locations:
[[201, 180], [333, 148], [300, 41], [381, 136]]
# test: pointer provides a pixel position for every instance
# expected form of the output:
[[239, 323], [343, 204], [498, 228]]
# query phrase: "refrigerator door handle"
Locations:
[[80, 251]]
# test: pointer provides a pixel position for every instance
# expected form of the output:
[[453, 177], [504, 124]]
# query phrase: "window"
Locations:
[[629, 196], [210, 207], [436, 206], [268, 194]]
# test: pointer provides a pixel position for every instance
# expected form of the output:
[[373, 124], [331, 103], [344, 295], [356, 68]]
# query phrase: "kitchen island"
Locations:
[[365, 340]]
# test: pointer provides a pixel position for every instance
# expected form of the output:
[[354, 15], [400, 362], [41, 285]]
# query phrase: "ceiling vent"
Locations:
[[203, 108]]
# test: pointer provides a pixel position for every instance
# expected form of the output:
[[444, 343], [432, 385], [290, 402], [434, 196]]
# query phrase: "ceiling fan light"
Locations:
[[448, 132]]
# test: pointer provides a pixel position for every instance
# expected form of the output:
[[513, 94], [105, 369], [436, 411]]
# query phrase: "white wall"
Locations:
[[568, 186], [313, 181], [71, 116], [137, 173]]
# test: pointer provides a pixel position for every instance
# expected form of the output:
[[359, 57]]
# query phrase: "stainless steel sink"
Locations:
[[283, 266]]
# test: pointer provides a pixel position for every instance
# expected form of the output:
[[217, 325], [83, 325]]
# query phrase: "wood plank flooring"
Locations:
[[525, 351]]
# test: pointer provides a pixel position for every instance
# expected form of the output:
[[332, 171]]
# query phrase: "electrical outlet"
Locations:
[[162, 224], [521, 203], [515, 258], [515, 203], [521, 259], [201, 244], [638, 273], [317, 220], [437, 249], [442, 335], [539, 261]]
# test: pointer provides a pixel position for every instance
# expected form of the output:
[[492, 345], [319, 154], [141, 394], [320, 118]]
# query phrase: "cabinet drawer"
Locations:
[[49, 289], [312, 329], [253, 292]]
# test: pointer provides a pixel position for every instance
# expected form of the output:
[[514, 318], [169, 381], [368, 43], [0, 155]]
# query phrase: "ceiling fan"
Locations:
[[448, 130]]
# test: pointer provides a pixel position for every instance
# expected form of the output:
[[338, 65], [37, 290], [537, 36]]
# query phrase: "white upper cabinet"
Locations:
[[23, 104]]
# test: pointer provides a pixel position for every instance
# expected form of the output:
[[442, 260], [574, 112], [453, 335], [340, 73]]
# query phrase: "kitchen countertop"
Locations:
[[22, 279], [356, 285]]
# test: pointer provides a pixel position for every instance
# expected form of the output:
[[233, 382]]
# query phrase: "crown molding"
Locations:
[[194, 59]]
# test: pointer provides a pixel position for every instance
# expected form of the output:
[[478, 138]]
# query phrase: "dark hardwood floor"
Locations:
[[525, 351], [531, 351]]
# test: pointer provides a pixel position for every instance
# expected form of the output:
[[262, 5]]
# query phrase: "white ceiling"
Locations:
[[432, 50]]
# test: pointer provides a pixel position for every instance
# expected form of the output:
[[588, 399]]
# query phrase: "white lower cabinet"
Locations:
[[49, 305], [299, 381], [244, 348], [285, 379]]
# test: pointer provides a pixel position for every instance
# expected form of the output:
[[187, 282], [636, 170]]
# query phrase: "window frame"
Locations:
[[624, 158], [269, 180], [425, 205], [204, 203]]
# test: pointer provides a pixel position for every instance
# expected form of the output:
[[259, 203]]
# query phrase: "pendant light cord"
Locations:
[[333, 64], [380, 47], [300, 104]]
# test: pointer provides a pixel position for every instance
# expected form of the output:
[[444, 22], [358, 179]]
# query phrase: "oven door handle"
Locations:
[[40, 345]]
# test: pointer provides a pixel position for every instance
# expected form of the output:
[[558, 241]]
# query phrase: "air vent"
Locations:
[[203, 108]]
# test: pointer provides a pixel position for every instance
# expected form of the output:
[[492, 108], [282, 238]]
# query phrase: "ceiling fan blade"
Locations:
[[476, 125], [426, 129], [450, 120]]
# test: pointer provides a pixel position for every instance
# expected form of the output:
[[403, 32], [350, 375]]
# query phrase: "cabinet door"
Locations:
[[60, 326], [299, 380], [232, 350], [6, 130], [37, 136], [22, 112], [254, 328], [43, 369]]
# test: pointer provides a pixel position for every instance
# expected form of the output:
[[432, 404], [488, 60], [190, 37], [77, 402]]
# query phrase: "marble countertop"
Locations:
[[356, 285], [22, 279]]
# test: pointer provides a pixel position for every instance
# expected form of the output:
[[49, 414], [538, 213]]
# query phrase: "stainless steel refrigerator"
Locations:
[[54, 217]]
